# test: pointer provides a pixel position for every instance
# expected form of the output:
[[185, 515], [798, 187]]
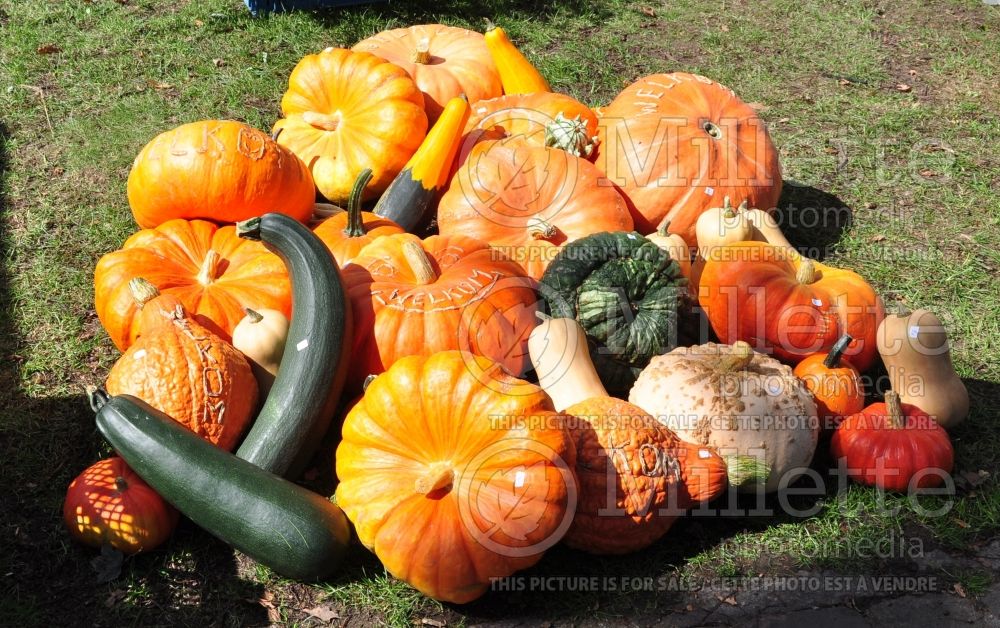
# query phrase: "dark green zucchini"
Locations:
[[294, 531], [305, 393], [408, 197]]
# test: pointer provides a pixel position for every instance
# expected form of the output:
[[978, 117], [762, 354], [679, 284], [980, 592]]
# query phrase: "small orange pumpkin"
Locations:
[[109, 504], [347, 232], [835, 384], [184, 370]]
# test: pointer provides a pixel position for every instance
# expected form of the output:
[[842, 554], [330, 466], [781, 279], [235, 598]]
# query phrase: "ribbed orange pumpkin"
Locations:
[[184, 370], [636, 477], [413, 297], [676, 144], [346, 233], [218, 170], [346, 111], [445, 61], [528, 201], [454, 473], [109, 503], [538, 119], [211, 270]]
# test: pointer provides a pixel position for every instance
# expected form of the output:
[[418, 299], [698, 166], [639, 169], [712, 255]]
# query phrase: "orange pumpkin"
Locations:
[[455, 473], [538, 119], [528, 201], [780, 302], [184, 370], [444, 61], [636, 477], [446, 292], [211, 270], [346, 111], [109, 504], [835, 384], [346, 233], [218, 170], [675, 144]]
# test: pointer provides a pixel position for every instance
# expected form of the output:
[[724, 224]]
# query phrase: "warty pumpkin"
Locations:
[[677, 143], [413, 297], [218, 170], [109, 504], [445, 62], [786, 304], [347, 232], [915, 351], [210, 270], [455, 473], [184, 370], [529, 201], [345, 111]]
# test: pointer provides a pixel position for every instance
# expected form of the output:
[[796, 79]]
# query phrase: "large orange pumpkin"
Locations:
[[413, 297], [218, 170], [455, 473], [528, 201], [782, 303], [444, 61], [678, 143], [538, 119], [211, 270], [346, 111], [184, 370]]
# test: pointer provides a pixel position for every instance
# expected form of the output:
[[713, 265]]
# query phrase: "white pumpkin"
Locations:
[[746, 405], [261, 336]]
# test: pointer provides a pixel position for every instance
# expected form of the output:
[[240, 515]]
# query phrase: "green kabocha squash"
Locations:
[[625, 291]]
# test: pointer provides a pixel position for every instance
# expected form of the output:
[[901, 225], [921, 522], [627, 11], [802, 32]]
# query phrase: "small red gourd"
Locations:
[[894, 446]]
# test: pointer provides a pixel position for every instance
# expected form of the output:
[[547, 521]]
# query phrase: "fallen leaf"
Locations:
[[48, 49], [960, 590], [108, 565], [928, 173], [912, 72], [427, 621], [323, 613], [218, 62], [830, 150], [113, 598], [199, 23], [878, 238], [759, 107], [843, 81], [730, 600], [273, 615], [871, 205], [961, 524], [784, 120], [266, 600], [158, 84], [903, 87], [648, 11], [724, 28]]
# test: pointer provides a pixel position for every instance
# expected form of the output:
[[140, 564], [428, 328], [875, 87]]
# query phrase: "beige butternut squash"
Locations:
[[559, 352]]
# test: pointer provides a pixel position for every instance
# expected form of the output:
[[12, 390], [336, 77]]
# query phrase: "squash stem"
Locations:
[[420, 266], [253, 315], [746, 470], [895, 407], [249, 229], [355, 225], [739, 359], [97, 397], [832, 360], [540, 229], [436, 479], [143, 291], [120, 484], [421, 52], [661, 229], [727, 209], [806, 274], [210, 268]]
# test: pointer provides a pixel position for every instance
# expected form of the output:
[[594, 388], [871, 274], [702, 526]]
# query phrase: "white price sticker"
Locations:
[[302, 344]]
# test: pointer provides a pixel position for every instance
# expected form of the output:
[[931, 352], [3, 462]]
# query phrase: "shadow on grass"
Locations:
[[474, 13], [813, 220], [47, 441]]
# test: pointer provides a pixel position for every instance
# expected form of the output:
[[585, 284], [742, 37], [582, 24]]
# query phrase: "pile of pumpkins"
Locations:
[[504, 339]]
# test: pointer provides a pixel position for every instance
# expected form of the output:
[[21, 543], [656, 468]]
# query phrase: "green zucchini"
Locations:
[[294, 531], [408, 197], [306, 390]]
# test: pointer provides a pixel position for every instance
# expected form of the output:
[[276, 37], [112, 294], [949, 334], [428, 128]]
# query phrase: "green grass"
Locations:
[[919, 170]]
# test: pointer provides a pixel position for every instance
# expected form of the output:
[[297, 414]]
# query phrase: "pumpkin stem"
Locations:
[[253, 315], [355, 225], [368, 382], [120, 484], [895, 407], [210, 270], [322, 121], [143, 290], [832, 360], [540, 229], [542, 316], [806, 274], [422, 51], [97, 397], [249, 229], [739, 359], [661, 229], [570, 136], [437, 478], [489, 24], [744, 206], [746, 470], [727, 209], [420, 266]]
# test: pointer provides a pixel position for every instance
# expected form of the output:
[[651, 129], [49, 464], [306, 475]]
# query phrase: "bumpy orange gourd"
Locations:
[[677, 143], [413, 297], [528, 201], [184, 370], [346, 111], [109, 504], [218, 170], [540, 119], [445, 62], [211, 270], [780, 302], [347, 232], [455, 473]]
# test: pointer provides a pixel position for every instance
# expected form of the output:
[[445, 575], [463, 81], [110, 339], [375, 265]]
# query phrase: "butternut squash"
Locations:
[[674, 245], [764, 228], [917, 357], [559, 352]]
